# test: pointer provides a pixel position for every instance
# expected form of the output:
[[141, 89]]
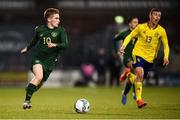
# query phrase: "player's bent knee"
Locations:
[[39, 79]]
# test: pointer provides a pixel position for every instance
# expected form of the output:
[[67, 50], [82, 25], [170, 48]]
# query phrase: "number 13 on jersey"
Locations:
[[148, 39]]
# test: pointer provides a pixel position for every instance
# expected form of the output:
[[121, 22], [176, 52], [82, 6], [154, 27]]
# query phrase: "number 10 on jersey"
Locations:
[[46, 40]]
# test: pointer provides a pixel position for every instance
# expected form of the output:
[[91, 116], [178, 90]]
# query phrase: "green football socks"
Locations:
[[127, 88], [31, 88]]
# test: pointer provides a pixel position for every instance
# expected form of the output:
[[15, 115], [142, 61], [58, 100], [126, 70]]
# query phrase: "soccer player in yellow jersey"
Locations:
[[150, 35]]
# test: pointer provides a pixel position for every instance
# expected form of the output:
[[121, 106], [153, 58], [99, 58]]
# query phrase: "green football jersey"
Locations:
[[44, 35], [130, 46]]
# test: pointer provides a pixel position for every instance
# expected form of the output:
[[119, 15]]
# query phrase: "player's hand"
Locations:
[[51, 45], [121, 50], [24, 50], [166, 62]]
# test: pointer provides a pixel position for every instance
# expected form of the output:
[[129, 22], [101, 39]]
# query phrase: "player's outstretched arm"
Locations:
[[166, 48], [128, 38]]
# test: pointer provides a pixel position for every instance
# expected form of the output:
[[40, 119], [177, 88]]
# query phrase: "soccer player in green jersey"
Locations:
[[49, 42], [127, 58]]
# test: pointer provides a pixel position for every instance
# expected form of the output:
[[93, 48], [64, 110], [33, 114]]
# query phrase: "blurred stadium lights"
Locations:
[[16, 4], [119, 19], [114, 4]]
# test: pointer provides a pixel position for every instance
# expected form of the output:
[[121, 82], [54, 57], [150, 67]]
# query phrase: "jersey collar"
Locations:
[[150, 27]]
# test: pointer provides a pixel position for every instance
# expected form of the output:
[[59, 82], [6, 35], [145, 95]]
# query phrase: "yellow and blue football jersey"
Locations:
[[148, 41]]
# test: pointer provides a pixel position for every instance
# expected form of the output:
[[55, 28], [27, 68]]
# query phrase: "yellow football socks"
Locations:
[[132, 77], [138, 89]]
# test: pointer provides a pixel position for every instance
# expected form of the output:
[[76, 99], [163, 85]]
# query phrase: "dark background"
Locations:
[[90, 25]]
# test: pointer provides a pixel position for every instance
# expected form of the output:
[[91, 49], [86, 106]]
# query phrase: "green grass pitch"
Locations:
[[57, 103]]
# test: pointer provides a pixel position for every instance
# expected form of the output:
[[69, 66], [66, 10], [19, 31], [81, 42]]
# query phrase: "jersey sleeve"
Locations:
[[64, 41], [133, 34], [118, 37], [165, 44], [33, 41], [116, 41]]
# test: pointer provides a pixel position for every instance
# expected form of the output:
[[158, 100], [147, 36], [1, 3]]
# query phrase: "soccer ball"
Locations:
[[82, 106]]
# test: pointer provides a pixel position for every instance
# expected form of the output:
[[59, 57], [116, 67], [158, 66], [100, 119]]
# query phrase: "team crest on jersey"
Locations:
[[54, 34], [156, 34]]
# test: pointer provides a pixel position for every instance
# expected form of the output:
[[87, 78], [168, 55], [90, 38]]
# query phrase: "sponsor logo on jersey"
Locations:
[[54, 34], [41, 35]]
